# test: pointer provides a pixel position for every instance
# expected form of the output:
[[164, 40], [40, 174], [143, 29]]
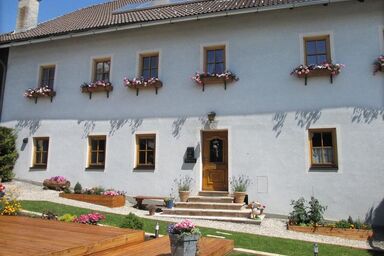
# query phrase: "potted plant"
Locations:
[[325, 69], [169, 202], [97, 86], [58, 183], [183, 237], [239, 187], [142, 83], [215, 78], [184, 187], [42, 91]]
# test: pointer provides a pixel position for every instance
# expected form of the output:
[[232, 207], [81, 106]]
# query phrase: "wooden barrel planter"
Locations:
[[353, 234], [109, 201], [49, 184]]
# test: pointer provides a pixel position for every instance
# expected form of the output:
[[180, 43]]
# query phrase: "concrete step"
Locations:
[[211, 199], [213, 193], [209, 205], [207, 212], [216, 218]]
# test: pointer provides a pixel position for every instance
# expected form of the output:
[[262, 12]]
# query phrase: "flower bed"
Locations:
[[105, 200], [98, 86], [141, 83], [326, 69], [354, 234], [2, 190], [57, 183], [90, 218], [379, 64], [43, 91], [206, 78]]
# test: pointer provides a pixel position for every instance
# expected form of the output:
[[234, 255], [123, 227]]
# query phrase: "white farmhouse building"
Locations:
[[324, 139]]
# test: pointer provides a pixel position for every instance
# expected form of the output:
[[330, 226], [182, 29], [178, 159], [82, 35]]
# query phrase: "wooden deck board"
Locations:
[[32, 236], [161, 247]]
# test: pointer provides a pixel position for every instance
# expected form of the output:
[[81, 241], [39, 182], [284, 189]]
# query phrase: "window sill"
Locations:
[[38, 168], [144, 168], [334, 168], [95, 168]]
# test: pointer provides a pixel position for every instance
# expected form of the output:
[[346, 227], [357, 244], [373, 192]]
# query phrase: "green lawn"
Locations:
[[242, 240]]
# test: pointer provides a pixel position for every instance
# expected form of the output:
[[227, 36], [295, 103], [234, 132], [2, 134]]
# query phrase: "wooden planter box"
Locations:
[[56, 186], [316, 73], [216, 80], [109, 201], [91, 90], [46, 95], [156, 85], [354, 234]]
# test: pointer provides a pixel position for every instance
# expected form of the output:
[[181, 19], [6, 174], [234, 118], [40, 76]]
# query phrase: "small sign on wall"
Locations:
[[190, 155]]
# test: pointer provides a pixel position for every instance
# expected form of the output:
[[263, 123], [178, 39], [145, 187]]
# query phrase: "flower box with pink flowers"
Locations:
[[110, 198], [40, 92], [98, 86], [217, 78], [325, 69], [379, 64], [57, 183], [142, 83]]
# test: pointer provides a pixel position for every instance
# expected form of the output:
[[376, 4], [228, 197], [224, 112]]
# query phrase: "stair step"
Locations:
[[245, 220], [207, 212], [211, 199], [213, 193], [209, 205]]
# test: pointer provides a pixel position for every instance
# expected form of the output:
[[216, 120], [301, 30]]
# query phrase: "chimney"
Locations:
[[27, 15]]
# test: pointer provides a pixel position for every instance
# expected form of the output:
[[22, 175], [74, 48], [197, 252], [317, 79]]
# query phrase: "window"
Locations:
[[150, 66], [96, 154], [102, 69], [47, 76], [40, 152], [214, 60], [317, 50], [323, 148], [145, 150]]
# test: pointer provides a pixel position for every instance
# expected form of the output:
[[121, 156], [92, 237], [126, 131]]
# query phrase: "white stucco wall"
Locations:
[[267, 112]]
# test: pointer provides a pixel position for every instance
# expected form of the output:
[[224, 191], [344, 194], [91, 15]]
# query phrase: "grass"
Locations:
[[242, 240]]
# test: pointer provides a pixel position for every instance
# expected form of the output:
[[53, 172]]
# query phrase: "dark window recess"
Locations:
[[47, 77], [102, 69], [150, 67], [216, 151], [215, 61], [317, 51]]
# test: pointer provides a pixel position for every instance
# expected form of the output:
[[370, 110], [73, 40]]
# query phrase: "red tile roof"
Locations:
[[104, 16]]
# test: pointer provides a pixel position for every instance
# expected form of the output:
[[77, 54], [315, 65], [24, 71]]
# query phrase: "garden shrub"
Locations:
[[133, 222], [9, 205], [299, 214], [351, 224], [316, 211], [8, 153], [67, 217], [78, 189]]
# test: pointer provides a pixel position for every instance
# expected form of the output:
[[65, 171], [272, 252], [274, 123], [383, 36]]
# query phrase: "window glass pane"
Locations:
[[141, 157], [317, 156], [101, 158], [150, 158], [99, 76], [51, 73], [211, 68], [146, 74], [210, 56], [142, 144], [45, 158], [316, 139], [101, 144], [216, 151], [93, 157], [38, 157], [154, 62], [327, 139], [328, 155], [219, 56], [219, 68], [146, 62], [106, 77], [321, 59], [151, 144], [45, 145], [94, 144], [106, 66], [311, 47], [99, 67], [154, 73], [321, 46], [311, 60]]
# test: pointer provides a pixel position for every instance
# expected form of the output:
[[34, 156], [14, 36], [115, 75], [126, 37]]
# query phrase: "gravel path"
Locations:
[[269, 227]]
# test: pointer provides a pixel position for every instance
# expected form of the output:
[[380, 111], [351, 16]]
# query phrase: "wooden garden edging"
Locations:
[[354, 234], [109, 201]]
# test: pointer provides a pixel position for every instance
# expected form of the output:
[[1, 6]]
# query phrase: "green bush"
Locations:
[[67, 217], [8, 153], [78, 189], [316, 211], [299, 214], [133, 222]]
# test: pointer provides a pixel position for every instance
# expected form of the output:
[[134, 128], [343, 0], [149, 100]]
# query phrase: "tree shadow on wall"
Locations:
[[177, 125], [366, 115], [375, 217], [278, 120], [116, 125], [31, 125], [306, 118], [88, 127]]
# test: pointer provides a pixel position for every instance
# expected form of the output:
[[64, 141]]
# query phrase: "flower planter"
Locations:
[[239, 197], [317, 73], [153, 85], [37, 95], [216, 80], [184, 245], [169, 203], [100, 88], [354, 234], [109, 201], [56, 185], [184, 195]]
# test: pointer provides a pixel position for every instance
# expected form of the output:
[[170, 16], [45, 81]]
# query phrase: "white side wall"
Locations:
[[267, 112]]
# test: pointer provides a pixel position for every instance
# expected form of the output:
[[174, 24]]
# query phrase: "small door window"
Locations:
[[216, 151]]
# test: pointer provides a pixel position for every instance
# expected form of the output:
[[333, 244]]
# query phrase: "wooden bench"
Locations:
[[140, 199]]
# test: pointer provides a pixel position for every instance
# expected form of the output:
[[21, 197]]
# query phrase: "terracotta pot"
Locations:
[[184, 195], [239, 197]]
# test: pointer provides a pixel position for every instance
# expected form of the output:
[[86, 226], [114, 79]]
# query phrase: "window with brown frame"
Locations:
[[40, 152], [150, 65], [214, 60], [101, 70], [145, 151], [323, 148], [47, 76], [317, 50], [96, 151]]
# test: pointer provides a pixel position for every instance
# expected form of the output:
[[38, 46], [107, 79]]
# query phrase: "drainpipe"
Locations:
[[2, 86]]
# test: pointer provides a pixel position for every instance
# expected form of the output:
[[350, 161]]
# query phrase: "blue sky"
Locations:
[[48, 9]]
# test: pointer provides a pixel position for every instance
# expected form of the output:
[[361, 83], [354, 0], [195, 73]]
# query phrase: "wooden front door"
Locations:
[[215, 160]]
